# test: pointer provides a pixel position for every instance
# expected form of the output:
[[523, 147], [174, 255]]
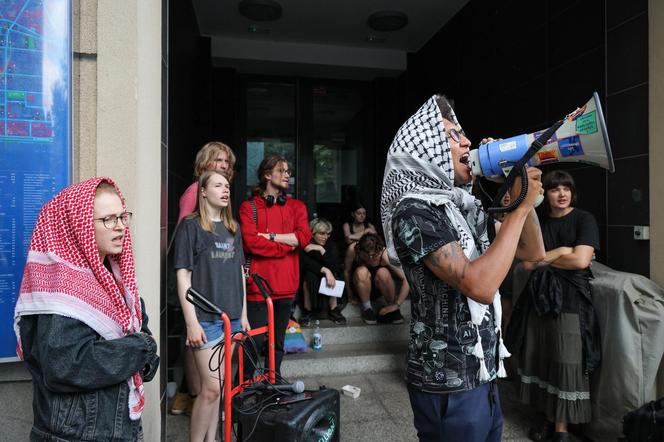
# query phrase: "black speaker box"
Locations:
[[315, 419]]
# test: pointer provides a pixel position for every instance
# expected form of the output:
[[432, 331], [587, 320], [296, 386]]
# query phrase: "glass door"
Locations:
[[271, 127], [324, 129]]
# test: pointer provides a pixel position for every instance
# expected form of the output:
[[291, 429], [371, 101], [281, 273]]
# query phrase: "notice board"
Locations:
[[35, 133]]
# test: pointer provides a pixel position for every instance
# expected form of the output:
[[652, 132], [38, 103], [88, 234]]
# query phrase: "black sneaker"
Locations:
[[541, 432], [369, 316], [336, 316], [391, 318], [305, 318]]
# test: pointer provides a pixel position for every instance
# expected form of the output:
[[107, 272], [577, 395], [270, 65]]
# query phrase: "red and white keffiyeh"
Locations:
[[64, 275]]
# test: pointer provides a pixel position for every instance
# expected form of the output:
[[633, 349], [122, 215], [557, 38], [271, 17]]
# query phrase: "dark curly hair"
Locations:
[[367, 247]]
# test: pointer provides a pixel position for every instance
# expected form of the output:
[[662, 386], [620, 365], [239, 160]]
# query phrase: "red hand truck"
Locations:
[[228, 390]]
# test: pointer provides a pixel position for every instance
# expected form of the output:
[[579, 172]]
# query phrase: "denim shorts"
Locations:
[[214, 332]]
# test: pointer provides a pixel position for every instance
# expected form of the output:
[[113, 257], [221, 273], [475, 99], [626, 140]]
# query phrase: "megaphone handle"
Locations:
[[520, 167], [495, 204]]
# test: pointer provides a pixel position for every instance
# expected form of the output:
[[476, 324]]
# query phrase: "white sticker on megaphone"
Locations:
[[504, 147]]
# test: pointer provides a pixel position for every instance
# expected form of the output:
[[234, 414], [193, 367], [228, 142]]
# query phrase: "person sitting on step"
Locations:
[[373, 276], [320, 259]]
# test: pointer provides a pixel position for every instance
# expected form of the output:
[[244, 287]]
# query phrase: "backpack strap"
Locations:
[[247, 259]]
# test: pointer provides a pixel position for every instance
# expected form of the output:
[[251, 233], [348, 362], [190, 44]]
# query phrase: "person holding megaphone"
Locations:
[[437, 231]]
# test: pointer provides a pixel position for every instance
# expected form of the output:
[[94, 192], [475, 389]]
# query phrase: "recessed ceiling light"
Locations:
[[255, 29], [386, 21], [260, 10], [373, 38]]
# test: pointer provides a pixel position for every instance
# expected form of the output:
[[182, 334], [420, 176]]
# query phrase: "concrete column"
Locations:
[[128, 142]]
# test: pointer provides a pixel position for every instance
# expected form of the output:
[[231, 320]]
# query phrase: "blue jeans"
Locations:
[[214, 332], [467, 416]]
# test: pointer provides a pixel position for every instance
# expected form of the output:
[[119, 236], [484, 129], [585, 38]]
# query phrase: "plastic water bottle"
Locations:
[[317, 338]]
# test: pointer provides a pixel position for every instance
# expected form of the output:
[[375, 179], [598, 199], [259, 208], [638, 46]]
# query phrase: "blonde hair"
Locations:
[[320, 225], [202, 212], [206, 156]]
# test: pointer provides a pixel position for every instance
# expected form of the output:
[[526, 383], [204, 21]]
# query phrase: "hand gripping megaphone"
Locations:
[[580, 137]]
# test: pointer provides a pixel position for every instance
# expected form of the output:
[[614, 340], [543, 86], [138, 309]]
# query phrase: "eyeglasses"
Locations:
[[284, 171], [111, 221], [455, 134]]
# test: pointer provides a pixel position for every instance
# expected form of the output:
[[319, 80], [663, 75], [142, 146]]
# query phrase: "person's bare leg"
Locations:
[[348, 266], [560, 427], [385, 285], [362, 282], [333, 302], [205, 413], [191, 373]]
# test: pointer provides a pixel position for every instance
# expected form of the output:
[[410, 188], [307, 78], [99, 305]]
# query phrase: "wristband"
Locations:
[[272, 236]]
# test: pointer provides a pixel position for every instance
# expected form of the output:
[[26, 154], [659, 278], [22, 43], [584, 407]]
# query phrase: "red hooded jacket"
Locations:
[[278, 263]]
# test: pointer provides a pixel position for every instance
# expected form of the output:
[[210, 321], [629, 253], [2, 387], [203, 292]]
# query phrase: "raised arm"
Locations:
[[530, 249], [479, 279]]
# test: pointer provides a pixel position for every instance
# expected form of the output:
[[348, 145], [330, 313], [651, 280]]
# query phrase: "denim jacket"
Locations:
[[80, 379]]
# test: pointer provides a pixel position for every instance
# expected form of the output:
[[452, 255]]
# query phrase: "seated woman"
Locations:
[[373, 275], [320, 259], [81, 326], [353, 231]]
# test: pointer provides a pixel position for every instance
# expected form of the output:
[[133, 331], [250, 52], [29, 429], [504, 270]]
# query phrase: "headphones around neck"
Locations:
[[270, 200]]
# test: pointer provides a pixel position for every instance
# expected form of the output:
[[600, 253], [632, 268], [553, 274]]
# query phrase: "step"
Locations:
[[355, 311], [346, 359], [356, 331]]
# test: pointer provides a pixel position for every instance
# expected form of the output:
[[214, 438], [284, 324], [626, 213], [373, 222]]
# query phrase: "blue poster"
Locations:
[[35, 133]]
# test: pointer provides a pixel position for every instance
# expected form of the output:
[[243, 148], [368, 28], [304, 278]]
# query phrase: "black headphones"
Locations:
[[270, 200]]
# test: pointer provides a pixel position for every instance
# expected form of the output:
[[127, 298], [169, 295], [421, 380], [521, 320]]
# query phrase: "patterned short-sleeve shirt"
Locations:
[[442, 336]]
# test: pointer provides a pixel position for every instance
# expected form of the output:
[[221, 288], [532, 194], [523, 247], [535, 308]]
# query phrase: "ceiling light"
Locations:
[[373, 38], [386, 21], [260, 10], [255, 29]]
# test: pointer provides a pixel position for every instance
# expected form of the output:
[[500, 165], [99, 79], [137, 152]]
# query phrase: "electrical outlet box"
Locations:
[[642, 232]]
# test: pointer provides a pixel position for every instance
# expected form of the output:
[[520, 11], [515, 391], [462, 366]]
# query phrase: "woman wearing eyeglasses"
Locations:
[[81, 326], [209, 258], [320, 260]]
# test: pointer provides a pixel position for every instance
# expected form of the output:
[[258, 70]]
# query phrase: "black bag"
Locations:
[[645, 424]]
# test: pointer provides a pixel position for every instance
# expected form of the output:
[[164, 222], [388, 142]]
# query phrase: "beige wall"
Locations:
[[117, 131], [656, 116]]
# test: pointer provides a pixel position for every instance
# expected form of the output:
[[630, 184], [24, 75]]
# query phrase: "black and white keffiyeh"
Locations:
[[419, 165]]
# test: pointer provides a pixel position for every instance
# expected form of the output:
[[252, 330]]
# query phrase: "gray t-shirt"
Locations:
[[215, 260]]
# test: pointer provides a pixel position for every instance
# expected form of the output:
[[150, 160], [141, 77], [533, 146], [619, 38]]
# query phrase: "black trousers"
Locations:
[[257, 315], [470, 416]]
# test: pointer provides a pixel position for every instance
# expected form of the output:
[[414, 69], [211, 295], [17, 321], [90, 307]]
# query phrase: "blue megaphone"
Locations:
[[582, 138]]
